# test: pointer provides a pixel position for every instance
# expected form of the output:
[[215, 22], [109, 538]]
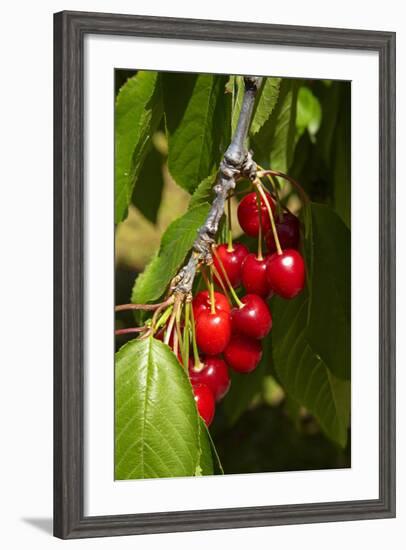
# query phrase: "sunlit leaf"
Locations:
[[268, 98], [175, 245], [196, 120], [138, 112], [274, 143], [329, 324], [303, 373], [308, 116], [157, 427]]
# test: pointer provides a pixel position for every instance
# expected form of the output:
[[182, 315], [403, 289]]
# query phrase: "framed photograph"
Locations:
[[224, 275]]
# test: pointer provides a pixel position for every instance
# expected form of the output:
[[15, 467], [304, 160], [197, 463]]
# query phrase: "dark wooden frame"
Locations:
[[69, 31]]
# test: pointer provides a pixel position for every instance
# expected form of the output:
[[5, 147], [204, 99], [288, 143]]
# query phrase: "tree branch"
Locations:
[[237, 162]]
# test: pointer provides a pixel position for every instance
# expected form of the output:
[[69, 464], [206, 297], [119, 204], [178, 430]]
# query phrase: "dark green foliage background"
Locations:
[[293, 411]]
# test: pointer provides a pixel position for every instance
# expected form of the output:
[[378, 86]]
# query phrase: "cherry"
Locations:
[[254, 276], [248, 214], [201, 302], [231, 260], [214, 374], [288, 230], [286, 273], [204, 402], [253, 318], [243, 353], [213, 331]]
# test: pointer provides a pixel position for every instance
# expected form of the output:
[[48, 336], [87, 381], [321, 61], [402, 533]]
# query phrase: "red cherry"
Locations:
[[286, 273], [231, 260], [214, 374], [254, 276], [243, 353], [213, 331], [201, 302], [253, 319], [204, 402], [288, 231], [248, 214]]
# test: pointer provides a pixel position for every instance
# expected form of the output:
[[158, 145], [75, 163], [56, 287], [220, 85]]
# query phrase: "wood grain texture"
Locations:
[[69, 30]]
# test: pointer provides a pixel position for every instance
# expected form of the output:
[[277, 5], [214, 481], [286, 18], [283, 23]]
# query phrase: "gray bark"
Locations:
[[237, 163]]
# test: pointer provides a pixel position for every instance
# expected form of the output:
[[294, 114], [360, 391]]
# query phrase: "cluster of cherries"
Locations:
[[230, 337]]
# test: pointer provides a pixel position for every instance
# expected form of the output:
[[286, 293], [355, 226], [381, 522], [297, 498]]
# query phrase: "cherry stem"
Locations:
[[268, 206], [230, 247], [295, 184], [211, 291], [175, 342], [131, 330], [157, 321], [178, 334], [230, 286], [205, 278], [185, 348], [221, 282], [279, 207], [273, 182], [259, 254], [194, 344], [171, 322], [283, 208], [146, 307]]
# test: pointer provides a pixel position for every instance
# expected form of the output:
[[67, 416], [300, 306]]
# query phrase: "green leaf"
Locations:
[[308, 115], [205, 466], [311, 334], [157, 427], [307, 240], [329, 330], [138, 112], [322, 164], [204, 191], [266, 103], [198, 132], [244, 387], [304, 375], [147, 192], [274, 143], [121, 76], [175, 245], [330, 104], [342, 158]]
